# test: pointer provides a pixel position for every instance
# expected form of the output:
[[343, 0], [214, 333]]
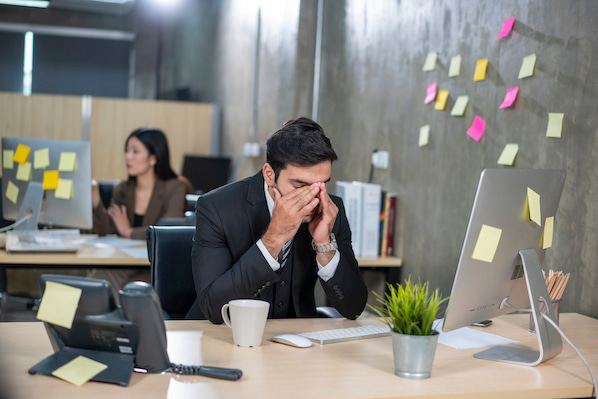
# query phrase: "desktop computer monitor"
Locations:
[[499, 270], [50, 179], [206, 173]]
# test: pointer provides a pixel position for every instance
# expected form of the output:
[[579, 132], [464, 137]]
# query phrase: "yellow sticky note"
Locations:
[[24, 171], [555, 125], [21, 154], [508, 154], [424, 135], [548, 230], [533, 204], [480, 70], [79, 370], [68, 162], [64, 189], [12, 192], [527, 66], [7, 159], [441, 100], [460, 105], [59, 304], [41, 158], [487, 243], [430, 62], [455, 66], [50, 180]]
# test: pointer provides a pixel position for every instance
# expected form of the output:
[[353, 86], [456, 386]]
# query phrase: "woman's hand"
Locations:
[[121, 221]]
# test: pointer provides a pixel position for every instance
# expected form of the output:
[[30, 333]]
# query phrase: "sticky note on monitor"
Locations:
[[533, 205], [7, 159], [79, 370], [487, 243], [430, 62], [21, 154], [430, 92], [59, 304], [548, 232], [68, 162], [50, 180], [41, 158], [480, 70], [510, 97], [507, 157], [460, 106], [455, 66], [24, 171], [507, 26], [424, 135], [476, 131], [12, 192], [555, 125], [64, 189], [441, 100], [527, 66]]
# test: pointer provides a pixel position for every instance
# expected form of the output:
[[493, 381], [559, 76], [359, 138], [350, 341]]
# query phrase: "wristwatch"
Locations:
[[325, 248]]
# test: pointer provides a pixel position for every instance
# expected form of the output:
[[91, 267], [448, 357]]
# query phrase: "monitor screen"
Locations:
[[54, 175], [513, 210], [206, 173]]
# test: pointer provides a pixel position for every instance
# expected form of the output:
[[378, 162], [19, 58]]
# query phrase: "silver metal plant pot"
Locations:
[[414, 355]]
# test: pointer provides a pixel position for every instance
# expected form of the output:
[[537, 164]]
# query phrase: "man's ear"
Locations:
[[269, 175]]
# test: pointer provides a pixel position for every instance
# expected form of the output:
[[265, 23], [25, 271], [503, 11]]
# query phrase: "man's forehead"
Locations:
[[307, 174]]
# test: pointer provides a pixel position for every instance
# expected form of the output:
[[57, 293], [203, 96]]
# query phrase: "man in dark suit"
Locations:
[[271, 236]]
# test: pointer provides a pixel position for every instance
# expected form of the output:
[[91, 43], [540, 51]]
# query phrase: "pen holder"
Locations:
[[542, 306]]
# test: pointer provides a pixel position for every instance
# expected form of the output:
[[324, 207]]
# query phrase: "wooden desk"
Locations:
[[358, 369]]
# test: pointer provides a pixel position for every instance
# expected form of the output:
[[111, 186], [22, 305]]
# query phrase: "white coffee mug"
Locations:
[[247, 319]]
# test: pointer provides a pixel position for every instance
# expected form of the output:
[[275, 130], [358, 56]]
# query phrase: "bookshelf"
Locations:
[[388, 261]]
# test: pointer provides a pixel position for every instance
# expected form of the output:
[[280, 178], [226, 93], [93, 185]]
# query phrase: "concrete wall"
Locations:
[[372, 91]]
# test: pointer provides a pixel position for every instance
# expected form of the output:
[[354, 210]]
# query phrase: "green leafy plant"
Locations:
[[409, 309]]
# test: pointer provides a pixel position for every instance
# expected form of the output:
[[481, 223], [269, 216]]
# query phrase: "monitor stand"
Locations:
[[549, 339], [31, 205]]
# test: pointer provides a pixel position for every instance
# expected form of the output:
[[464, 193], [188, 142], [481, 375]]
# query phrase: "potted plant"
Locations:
[[409, 311]]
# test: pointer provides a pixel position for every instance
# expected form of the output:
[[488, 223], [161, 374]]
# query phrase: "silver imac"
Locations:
[[499, 270]]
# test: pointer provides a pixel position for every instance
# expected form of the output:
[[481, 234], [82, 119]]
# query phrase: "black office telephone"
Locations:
[[124, 337]]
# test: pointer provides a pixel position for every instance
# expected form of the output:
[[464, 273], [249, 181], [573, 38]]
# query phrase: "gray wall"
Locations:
[[372, 91]]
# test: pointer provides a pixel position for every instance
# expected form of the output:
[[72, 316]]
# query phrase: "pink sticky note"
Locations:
[[510, 97], [431, 93], [476, 131], [507, 26]]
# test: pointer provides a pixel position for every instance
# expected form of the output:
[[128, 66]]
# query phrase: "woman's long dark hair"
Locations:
[[155, 141]]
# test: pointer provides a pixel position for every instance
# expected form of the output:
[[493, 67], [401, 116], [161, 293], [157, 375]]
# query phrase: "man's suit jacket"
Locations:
[[227, 264], [167, 200]]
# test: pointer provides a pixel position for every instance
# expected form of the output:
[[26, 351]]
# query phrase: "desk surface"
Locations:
[[358, 369]]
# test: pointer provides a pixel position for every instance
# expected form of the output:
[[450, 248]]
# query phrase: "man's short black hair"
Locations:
[[299, 142]]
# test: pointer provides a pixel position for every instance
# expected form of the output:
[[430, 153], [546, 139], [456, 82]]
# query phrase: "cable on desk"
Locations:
[[548, 319]]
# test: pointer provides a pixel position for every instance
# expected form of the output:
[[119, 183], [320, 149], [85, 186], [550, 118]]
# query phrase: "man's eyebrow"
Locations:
[[298, 181]]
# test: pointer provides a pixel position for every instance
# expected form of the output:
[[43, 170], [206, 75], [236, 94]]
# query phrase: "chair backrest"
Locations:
[[169, 252]]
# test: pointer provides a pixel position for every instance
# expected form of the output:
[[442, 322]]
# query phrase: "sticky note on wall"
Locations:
[[507, 26], [510, 97], [476, 131], [430, 62], [460, 106], [441, 100], [21, 154], [507, 157], [12, 192], [41, 158], [555, 125], [431, 92], [7, 159], [480, 70], [68, 162], [455, 66], [487, 243], [527, 66], [59, 304], [424, 135]]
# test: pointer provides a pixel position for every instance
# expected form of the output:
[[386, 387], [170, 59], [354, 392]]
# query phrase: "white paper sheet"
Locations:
[[465, 338]]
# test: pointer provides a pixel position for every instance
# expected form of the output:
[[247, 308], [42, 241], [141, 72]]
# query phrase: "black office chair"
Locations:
[[169, 253]]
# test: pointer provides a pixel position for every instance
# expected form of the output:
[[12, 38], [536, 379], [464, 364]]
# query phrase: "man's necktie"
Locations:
[[283, 256]]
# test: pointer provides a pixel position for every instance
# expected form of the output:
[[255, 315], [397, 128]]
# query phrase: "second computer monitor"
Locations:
[[206, 173]]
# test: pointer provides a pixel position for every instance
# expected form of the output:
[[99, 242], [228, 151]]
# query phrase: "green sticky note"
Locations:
[[59, 304], [24, 171], [460, 105], [480, 70], [79, 370], [555, 125], [64, 190], [487, 243], [508, 154], [441, 100], [527, 66], [533, 205], [455, 66], [430, 61], [21, 154], [548, 231], [41, 158], [424, 135], [7, 159], [12, 192], [68, 162]]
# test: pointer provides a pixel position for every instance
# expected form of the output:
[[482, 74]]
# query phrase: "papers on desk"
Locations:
[[115, 242], [135, 252], [466, 338]]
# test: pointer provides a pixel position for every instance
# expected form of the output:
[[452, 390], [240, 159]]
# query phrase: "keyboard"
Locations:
[[346, 334]]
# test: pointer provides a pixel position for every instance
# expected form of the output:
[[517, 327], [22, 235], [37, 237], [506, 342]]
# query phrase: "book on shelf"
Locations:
[[351, 196], [370, 219], [389, 221]]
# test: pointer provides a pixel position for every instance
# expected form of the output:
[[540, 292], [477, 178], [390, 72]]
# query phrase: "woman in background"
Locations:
[[151, 192]]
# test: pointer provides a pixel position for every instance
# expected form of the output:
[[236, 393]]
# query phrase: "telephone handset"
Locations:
[[142, 307]]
